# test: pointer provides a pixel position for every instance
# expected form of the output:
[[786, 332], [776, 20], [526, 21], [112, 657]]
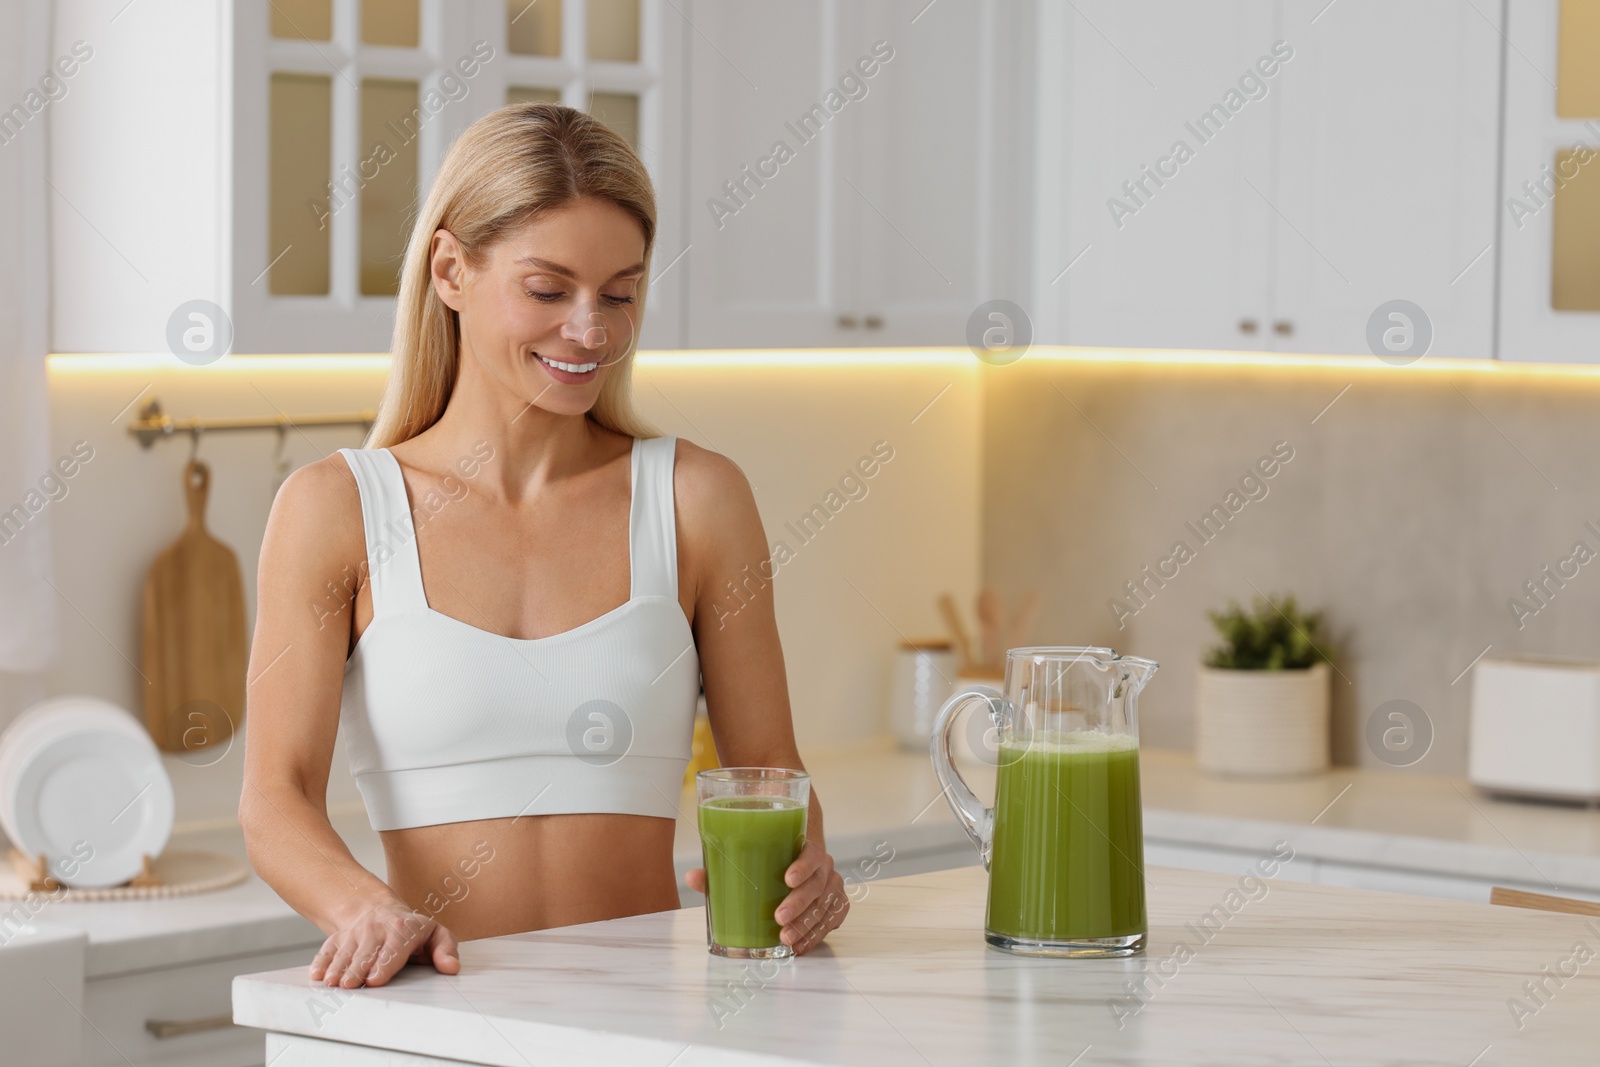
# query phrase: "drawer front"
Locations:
[[187, 1005]]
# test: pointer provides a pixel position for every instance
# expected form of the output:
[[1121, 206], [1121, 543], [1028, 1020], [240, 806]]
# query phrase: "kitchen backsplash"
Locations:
[[1418, 506], [1433, 514]]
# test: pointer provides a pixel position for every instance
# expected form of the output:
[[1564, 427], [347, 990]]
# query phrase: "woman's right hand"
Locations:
[[371, 948]]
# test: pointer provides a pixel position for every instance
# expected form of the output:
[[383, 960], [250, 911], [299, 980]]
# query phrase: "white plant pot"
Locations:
[[1262, 722]]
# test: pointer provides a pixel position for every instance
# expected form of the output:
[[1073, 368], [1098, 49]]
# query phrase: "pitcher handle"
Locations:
[[976, 820]]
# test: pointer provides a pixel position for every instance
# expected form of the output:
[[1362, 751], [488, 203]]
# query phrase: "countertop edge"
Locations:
[[343, 1016]]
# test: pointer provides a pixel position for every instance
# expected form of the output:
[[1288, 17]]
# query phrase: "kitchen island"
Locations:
[[1237, 972]]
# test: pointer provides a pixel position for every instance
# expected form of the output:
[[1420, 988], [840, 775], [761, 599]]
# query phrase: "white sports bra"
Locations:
[[444, 722]]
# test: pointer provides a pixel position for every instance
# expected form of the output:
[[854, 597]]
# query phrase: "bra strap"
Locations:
[[393, 566], [652, 525]]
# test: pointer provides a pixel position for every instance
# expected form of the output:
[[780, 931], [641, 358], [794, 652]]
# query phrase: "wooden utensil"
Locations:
[[1021, 624], [1520, 898], [990, 611], [193, 648], [952, 619]]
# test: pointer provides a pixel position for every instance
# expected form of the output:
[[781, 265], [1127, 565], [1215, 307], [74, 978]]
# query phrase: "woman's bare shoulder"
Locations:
[[316, 515], [325, 487], [708, 484]]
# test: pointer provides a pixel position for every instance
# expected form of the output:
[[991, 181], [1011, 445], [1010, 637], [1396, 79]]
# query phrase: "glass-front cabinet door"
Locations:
[[345, 108], [1550, 210]]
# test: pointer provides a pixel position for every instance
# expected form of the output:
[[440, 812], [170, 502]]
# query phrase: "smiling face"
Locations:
[[553, 307]]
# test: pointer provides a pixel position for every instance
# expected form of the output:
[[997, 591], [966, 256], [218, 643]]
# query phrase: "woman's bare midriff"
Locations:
[[498, 876], [501, 876]]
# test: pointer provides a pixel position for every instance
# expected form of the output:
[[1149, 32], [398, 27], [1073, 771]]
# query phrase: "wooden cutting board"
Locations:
[[194, 649]]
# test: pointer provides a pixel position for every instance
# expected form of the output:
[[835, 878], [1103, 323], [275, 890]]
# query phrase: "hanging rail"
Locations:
[[153, 424]]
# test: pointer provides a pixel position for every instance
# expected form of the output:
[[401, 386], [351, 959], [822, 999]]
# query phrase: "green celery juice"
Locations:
[[1067, 861], [747, 844]]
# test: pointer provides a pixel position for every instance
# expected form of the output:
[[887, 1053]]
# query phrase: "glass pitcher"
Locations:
[[1064, 842]]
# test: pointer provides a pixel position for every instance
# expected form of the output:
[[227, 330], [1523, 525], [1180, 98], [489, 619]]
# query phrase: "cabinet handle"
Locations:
[[874, 322], [1283, 327], [165, 1028], [1247, 325], [847, 322]]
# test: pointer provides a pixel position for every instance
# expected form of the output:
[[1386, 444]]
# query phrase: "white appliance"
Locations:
[[1536, 728]]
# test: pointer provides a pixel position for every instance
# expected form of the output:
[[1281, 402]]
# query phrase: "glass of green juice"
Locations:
[[1064, 842], [752, 827]]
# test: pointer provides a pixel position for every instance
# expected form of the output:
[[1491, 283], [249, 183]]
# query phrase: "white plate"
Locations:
[[93, 802], [60, 715], [52, 718]]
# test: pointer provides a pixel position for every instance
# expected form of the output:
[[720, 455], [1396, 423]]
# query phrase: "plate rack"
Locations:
[[35, 870]]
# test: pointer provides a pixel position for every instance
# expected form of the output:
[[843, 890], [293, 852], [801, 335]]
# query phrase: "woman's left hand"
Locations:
[[816, 904]]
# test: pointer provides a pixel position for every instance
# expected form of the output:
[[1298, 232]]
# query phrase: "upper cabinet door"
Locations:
[[1156, 176], [940, 165], [848, 170], [1267, 175], [346, 108], [1387, 153], [768, 151], [1550, 217]]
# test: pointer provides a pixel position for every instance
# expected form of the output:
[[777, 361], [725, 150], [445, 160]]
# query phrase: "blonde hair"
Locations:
[[505, 169]]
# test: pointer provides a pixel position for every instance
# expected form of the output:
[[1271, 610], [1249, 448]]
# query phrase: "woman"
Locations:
[[509, 597]]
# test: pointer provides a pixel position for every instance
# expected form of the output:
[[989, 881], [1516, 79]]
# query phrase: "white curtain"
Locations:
[[29, 614]]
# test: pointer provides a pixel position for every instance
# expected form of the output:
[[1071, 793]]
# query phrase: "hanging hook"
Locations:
[[194, 442]]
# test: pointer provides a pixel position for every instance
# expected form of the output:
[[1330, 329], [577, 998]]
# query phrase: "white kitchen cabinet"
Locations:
[[1397, 880], [1263, 174], [1387, 153], [847, 179], [1550, 215], [1183, 261], [268, 156], [181, 1016]]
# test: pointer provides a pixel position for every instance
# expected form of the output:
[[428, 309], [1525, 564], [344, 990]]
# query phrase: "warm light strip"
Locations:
[[1344, 363], [104, 362], [862, 357]]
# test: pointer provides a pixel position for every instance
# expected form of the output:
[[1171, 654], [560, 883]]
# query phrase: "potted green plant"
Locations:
[[1261, 705]]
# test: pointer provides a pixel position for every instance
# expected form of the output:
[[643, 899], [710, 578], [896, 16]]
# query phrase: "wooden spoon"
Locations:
[[1022, 622], [952, 619], [990, 611]]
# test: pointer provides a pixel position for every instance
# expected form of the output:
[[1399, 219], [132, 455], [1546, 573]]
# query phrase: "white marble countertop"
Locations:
[[873, 792], [1300, 974]]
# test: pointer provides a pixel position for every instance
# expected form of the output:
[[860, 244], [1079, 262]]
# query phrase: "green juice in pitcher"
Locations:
[[748, 844], [1067, 862]]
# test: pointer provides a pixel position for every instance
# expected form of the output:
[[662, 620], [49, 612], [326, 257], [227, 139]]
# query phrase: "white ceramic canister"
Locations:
[[923, 674]]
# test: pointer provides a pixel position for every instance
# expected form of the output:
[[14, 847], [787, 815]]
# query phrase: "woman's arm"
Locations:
[[312, 564], [741, 664]]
